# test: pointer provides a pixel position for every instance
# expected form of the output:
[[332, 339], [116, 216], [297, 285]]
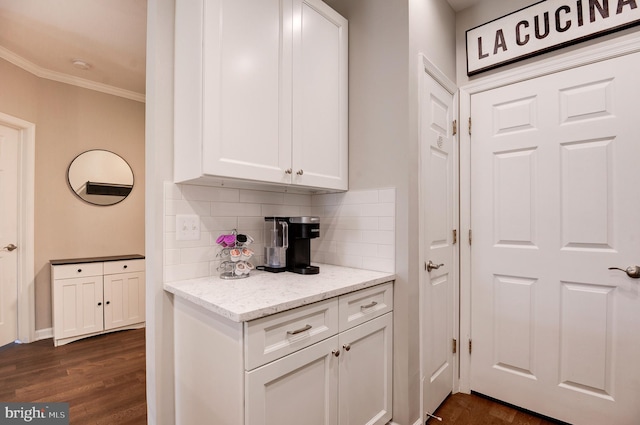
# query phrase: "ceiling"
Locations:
[[47, 36], [459, 5]]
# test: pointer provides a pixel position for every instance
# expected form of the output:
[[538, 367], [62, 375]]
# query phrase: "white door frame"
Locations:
[[25, 242], [425, 65], [584, 57]]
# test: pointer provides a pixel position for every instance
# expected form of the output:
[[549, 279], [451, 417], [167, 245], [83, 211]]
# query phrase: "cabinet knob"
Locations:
[[336, 353], [99, 304], [125, 266], [108, 302], [79, 270], [346, 347], [288, 171], [300, 172]]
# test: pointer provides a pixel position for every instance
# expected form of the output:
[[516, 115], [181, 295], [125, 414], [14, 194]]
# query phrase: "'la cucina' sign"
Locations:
[[545, 26]]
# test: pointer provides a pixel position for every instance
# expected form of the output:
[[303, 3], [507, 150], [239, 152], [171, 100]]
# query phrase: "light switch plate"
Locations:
[[187, 227]]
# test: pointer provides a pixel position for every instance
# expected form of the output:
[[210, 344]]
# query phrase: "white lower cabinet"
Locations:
[[327, 363], [90, 298], [301, 388], [365, 373], [344, 380]]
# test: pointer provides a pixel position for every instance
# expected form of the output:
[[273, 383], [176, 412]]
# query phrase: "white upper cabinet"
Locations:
[[261, 93]]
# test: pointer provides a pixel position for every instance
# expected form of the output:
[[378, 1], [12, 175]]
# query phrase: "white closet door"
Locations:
[[554, 204]]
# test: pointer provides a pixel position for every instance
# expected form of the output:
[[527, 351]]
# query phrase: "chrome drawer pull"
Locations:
[[372, 304], [297, 331]]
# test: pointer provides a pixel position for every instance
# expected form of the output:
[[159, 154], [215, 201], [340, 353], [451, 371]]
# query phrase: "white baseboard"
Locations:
[[44, 333], [416, 423]]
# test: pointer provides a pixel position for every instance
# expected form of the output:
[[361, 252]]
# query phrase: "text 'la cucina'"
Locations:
[[559, 21]]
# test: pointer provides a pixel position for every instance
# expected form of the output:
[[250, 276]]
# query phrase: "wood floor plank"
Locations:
[[102, 377], [473, 409]]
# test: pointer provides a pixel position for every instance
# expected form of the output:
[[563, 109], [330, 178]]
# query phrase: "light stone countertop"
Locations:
[[264, 293]]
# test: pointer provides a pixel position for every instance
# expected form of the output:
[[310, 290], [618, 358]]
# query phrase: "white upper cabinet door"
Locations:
[[232, 108], [261, 92], [320, 96], [247, 121]]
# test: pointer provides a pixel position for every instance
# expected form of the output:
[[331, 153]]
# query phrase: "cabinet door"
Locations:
[[124, 302], [246, 101], [77, 306], [366, 373], [320, 96], [301, 388]]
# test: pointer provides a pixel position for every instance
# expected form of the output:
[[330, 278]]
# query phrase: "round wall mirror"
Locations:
[[100, 177]]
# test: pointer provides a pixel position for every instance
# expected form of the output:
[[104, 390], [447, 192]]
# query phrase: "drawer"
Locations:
[[123, 266], [67, 271], [275, 336], [360, 306]]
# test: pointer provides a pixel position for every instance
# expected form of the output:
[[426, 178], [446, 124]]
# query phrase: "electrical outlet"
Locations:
[[187, 227]]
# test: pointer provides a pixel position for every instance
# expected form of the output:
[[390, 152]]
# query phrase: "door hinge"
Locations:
[[470, 347], [455, 127], [469, 126], [455, 236], [455, 346], [470, 237]]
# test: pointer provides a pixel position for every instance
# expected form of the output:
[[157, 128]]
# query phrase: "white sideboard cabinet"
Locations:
[[261, 93], [324, 363], [92, 296]]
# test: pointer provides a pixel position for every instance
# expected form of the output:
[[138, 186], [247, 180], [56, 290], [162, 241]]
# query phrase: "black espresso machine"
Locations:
[[288, 244], [301, 231]]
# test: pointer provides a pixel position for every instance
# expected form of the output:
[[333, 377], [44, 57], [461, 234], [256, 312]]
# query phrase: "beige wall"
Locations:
[[70, 120]]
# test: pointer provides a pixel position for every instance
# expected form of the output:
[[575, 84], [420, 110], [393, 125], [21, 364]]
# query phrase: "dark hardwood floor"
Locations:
[[103, 380], [473, 409], [102, 377]]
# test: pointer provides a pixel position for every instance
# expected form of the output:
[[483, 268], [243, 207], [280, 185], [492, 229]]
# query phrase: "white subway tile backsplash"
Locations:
[[359, 197], [386, 251], [198, 254], [326, 199], [381, 237], [357, 228], [237, 209], [258, 197], [297, 199], [174, 207], [280, 210], [378, 264], [185, 271], [387, 223], [211, 194], [218, 224], [171, 257]]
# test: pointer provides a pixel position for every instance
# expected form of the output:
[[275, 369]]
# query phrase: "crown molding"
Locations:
[[60, 77]]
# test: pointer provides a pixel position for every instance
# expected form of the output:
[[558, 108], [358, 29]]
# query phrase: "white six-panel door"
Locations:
[[438, 189], [554, 204]]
